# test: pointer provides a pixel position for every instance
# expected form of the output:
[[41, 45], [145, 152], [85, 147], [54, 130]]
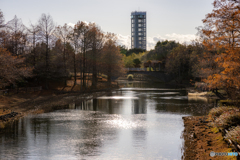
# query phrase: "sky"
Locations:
[[166, 19]]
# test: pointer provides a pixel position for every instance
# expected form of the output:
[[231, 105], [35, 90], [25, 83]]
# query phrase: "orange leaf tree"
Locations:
[[112, 63], [221, 33], [12, 68]]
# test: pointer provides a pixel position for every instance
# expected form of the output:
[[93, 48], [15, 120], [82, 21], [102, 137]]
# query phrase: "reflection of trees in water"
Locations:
[[111, 106], [106, 105], [198, 99], [182, 106], [139, 137], [23, 133], [94, 131], [139, 106], [85, 105], [89, 136], [41, 126], [140, 133], [11, 137], [93, 135]]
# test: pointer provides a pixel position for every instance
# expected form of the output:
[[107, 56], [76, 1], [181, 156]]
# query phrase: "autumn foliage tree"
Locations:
[[12, 68], [96, 44], [12, 64], [46, 53], [112, 58], [221, 38]]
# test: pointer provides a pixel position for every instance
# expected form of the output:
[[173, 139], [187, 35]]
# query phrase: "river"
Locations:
[[138, 121]]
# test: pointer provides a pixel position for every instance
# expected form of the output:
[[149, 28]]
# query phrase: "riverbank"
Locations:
[[200, 139], [13, 107]]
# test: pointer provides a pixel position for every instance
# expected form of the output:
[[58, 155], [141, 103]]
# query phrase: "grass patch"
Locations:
[[215, 130], [234, 134], [227, 119], [216, 112], [219, 138]]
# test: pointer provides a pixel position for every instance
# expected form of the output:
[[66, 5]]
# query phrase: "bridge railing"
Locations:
[[135, 69]]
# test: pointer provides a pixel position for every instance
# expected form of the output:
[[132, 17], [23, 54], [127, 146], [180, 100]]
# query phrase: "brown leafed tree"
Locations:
[[82, 45], [112, 58], [33, 38], [96, 44], [1, 26], [47, 27], [62, 33], [221, 38], [75, 43], [12, 68], [16, 39], [1, 19]]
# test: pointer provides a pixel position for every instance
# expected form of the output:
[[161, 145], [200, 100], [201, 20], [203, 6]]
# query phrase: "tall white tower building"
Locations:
[[138, 30]]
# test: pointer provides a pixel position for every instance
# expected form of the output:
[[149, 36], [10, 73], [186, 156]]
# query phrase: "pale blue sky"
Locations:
[[166, 19]]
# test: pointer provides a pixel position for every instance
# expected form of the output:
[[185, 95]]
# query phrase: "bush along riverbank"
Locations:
[[218, 132]]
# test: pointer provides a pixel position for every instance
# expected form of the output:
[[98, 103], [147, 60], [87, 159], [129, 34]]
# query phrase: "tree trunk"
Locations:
[[94, 71]]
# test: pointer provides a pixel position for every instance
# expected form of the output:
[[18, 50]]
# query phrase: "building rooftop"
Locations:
[[138, 13]]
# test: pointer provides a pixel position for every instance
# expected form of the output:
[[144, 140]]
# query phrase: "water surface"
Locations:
[[139, 121]]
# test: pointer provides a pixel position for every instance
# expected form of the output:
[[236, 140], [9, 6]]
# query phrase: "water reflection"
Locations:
[[139, 106], [130, 123], [113, 105]]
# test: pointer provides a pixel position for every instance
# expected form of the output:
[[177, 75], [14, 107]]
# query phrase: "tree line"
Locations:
[[214, 58], [182, 61], [46, 51]]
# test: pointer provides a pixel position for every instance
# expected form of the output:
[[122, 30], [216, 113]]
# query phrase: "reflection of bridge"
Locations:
[[161, 75]]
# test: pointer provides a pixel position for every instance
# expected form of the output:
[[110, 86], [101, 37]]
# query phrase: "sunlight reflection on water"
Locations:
[[116, 97]]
